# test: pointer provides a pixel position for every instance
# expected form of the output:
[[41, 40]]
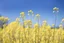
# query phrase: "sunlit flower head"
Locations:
[[22, 14], [37, 16], [55, 9], [53, 25], [30, 12], [63, 20], [1, 18], [17, 19], [60, 25], [25, 22], [36, 25], [44, 21], [4, 18], [29, 22], [7, 18]]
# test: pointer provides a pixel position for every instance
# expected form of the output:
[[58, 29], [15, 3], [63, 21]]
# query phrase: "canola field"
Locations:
[[27, 32]]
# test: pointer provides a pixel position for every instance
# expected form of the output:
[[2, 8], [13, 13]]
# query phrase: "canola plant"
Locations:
[[26, 32]]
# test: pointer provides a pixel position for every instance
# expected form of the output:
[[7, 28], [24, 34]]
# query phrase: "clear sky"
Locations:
[[12, 9]]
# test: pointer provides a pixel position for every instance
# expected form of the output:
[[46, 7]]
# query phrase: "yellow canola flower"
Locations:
[[15, 33], [48, 27], [53, 25], [63, 20], [6, 18], [44, 21], [26, 22], [55, 9], [36, 25], [29, 22], [30, 12], [61, 26], [37, 16], [17, 19], [22, 14], [2, 18]]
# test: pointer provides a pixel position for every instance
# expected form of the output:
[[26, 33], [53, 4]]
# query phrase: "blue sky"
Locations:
[[12, 9]]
